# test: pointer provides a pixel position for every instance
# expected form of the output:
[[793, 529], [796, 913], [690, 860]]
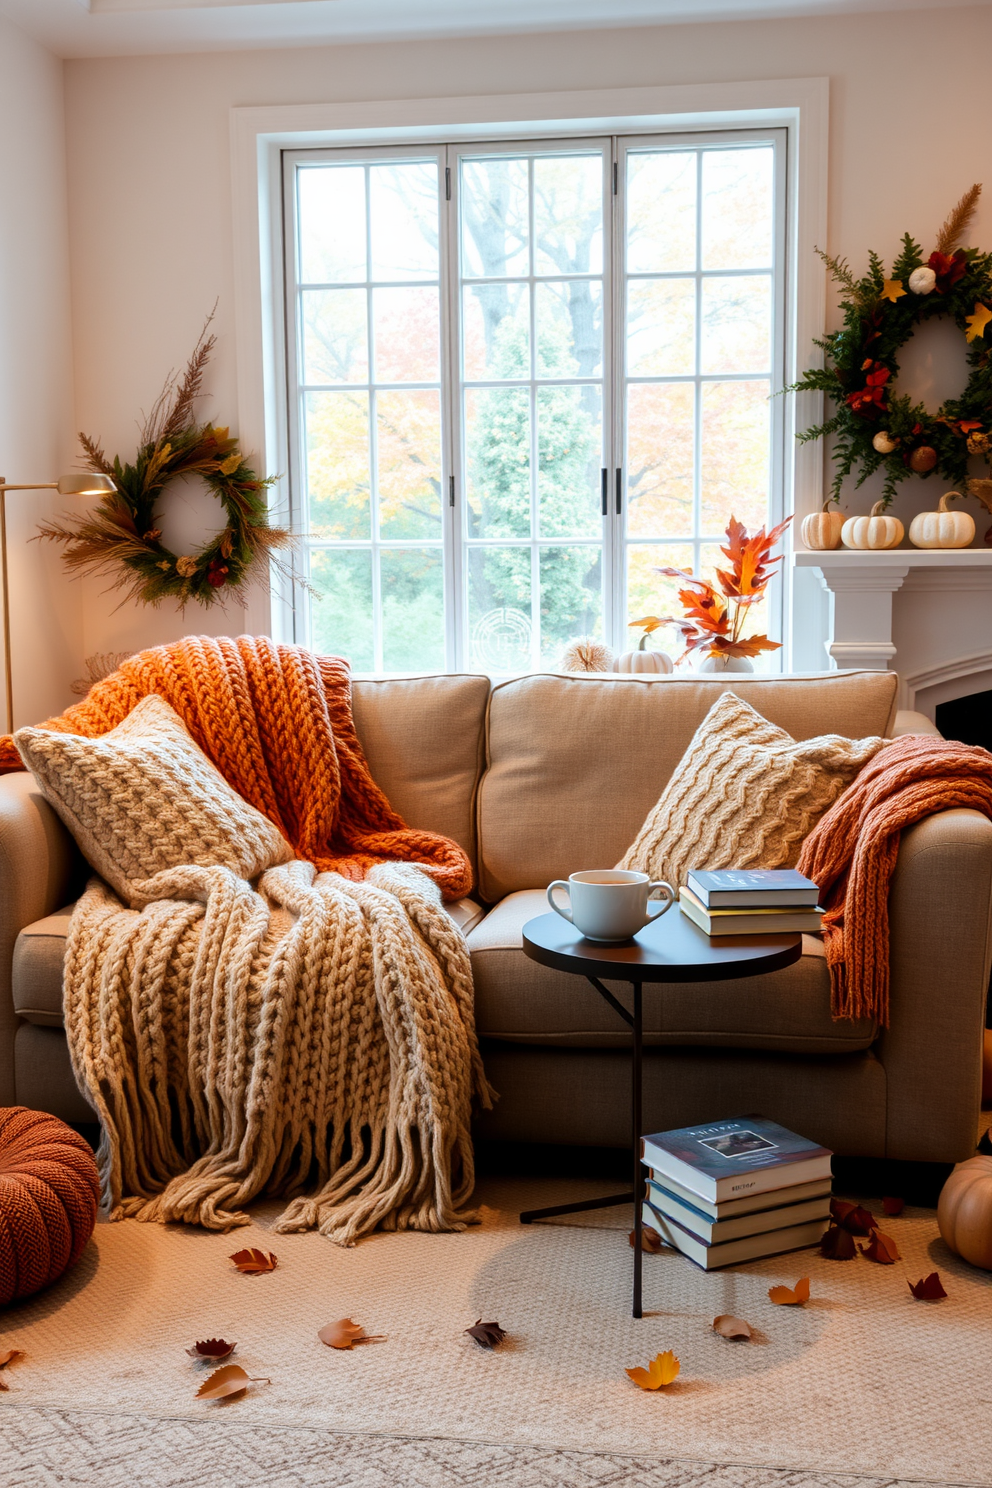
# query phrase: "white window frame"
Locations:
[[259, 136]]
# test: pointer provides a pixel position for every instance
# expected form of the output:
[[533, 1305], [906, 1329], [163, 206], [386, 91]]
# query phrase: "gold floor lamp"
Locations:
[[81, 484]]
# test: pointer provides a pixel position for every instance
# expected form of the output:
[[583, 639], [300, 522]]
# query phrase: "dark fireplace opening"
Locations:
[[967, 719]]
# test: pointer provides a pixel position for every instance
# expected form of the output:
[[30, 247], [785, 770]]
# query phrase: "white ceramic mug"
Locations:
[[610, 903]]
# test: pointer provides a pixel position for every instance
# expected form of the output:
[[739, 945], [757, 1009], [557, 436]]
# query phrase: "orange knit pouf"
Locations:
[[48, 1198]]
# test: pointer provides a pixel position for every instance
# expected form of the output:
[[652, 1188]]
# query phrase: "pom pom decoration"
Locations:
[[884, 443], [586, 654], [923, 281]]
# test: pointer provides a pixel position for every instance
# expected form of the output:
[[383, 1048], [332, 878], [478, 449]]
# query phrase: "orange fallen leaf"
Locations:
[[253, 1262], [651, 1241], [344, 1334], [838, 1244], [660, 1372], [881, 1248], [729, 1326], [893, 1205], [791, 1296], [227, 1383], [486, 1335], [212, 1348], [928, 1288]]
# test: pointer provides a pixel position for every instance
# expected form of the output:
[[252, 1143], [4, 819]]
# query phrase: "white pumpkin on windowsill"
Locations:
[[642, 659]]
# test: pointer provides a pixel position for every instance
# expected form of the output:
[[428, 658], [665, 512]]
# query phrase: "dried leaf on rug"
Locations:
[[838, 1245], [729, 1326], [881, 1248], [212, 1349], [344, 1334], [791, 1296], [854, 1218], [228, 1383], [253, 1262], [9, 1356], [486, 1335], [660, 1373], [893, 1205], [928, 1288], [651, 1241]]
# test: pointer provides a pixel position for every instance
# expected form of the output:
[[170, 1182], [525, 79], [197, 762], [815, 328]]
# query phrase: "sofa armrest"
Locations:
[[39, 871], [940, 924], [907, 722]]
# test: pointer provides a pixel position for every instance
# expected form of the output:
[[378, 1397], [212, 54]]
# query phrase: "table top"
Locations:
[[670, 949]]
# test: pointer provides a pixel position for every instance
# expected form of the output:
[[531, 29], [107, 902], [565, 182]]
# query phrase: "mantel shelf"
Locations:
[[894, 558]]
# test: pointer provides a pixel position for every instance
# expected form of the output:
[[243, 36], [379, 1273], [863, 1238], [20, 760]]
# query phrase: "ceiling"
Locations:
[[89, 28]]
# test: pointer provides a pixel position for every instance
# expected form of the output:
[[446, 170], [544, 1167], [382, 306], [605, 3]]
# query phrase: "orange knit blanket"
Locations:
[[277, 723], [851, 855]]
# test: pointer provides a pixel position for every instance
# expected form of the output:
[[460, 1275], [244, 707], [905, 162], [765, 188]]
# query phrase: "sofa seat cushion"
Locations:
[[519, 1000], [40, 951]]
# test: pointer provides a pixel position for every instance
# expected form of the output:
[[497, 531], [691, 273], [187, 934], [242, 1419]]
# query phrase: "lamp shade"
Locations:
[[85, 483]]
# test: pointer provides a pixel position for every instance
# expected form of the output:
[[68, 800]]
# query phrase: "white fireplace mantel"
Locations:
[[862, 585]]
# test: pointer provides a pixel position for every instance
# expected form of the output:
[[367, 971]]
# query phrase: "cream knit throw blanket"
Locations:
[[314, 1033]]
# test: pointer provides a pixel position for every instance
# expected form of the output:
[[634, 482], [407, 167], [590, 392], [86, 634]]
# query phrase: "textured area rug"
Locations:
[[863, 1380]]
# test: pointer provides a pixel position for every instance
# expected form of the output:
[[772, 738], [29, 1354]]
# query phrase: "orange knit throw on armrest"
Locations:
[[277, 723], [851, 854]]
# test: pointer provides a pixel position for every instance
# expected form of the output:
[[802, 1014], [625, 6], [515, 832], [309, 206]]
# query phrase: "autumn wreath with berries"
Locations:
[[121, 535], [873, 427]]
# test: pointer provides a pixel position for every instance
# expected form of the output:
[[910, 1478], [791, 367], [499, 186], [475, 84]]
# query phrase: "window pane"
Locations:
[[341, 619], [569, 460], [496, 332], [404, 220], [408, 457], [569, 328], [661, 212], [660, 429], [497, 444], [568, 215], [332, 223], [406, 326], [499, 609], [571, 598], [661, 327], [494, 215], [736, 422], [738, 208], [412, 582], [335, 336], [650, 594], [737, 324], [336, 439]]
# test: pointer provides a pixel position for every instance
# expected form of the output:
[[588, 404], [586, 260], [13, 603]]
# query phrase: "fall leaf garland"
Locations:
[[121, 536], [873, 426]]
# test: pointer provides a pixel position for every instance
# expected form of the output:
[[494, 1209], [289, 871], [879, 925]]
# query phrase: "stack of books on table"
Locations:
[[751, 901], [732, 1191]]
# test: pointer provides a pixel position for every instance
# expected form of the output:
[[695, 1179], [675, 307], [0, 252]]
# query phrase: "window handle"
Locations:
[[605, 475], [619, 489]]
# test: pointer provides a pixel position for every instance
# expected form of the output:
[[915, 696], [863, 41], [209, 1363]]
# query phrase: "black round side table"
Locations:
[[670, 949]]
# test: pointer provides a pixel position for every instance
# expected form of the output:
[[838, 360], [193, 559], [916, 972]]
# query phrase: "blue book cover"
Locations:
[[752, 887], [726, 1159]]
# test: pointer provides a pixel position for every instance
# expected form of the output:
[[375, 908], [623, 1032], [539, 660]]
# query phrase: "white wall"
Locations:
[[36, 415], [149, 181]]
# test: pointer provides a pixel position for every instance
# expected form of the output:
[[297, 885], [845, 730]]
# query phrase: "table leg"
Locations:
[[635, 1085]]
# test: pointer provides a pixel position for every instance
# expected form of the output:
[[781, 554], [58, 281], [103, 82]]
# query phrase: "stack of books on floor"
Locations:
[[751, 901], [732, 1191]]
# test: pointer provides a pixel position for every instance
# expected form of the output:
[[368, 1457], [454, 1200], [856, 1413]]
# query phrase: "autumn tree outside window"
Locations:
[[522, 377]]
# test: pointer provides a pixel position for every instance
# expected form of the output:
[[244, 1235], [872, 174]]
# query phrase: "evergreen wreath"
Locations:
[[873, 427], [120, 535]]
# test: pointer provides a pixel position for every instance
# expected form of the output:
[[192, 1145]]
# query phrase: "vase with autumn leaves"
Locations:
[[714, 615]]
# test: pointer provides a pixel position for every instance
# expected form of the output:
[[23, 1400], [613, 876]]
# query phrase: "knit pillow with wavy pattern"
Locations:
[[144, 797], [744, 795]]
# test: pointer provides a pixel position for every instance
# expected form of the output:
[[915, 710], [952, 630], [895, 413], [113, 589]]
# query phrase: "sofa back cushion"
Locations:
[[574, 764], [423, 738]]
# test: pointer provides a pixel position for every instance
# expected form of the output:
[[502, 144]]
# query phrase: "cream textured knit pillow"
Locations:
[[744, 795], [144, 797]]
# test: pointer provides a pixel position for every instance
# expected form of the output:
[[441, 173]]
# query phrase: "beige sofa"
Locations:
[[541, 776]]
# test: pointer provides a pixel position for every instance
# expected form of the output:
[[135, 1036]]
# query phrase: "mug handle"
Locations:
[[566, 914], [665, 905]]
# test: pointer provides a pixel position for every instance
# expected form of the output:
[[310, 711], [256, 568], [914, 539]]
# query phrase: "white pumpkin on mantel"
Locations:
[[821, 530], [643, 660], [942, 528], [873, 532]]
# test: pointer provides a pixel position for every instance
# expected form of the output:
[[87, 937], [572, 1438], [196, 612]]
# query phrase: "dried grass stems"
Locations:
[[119, 537]]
